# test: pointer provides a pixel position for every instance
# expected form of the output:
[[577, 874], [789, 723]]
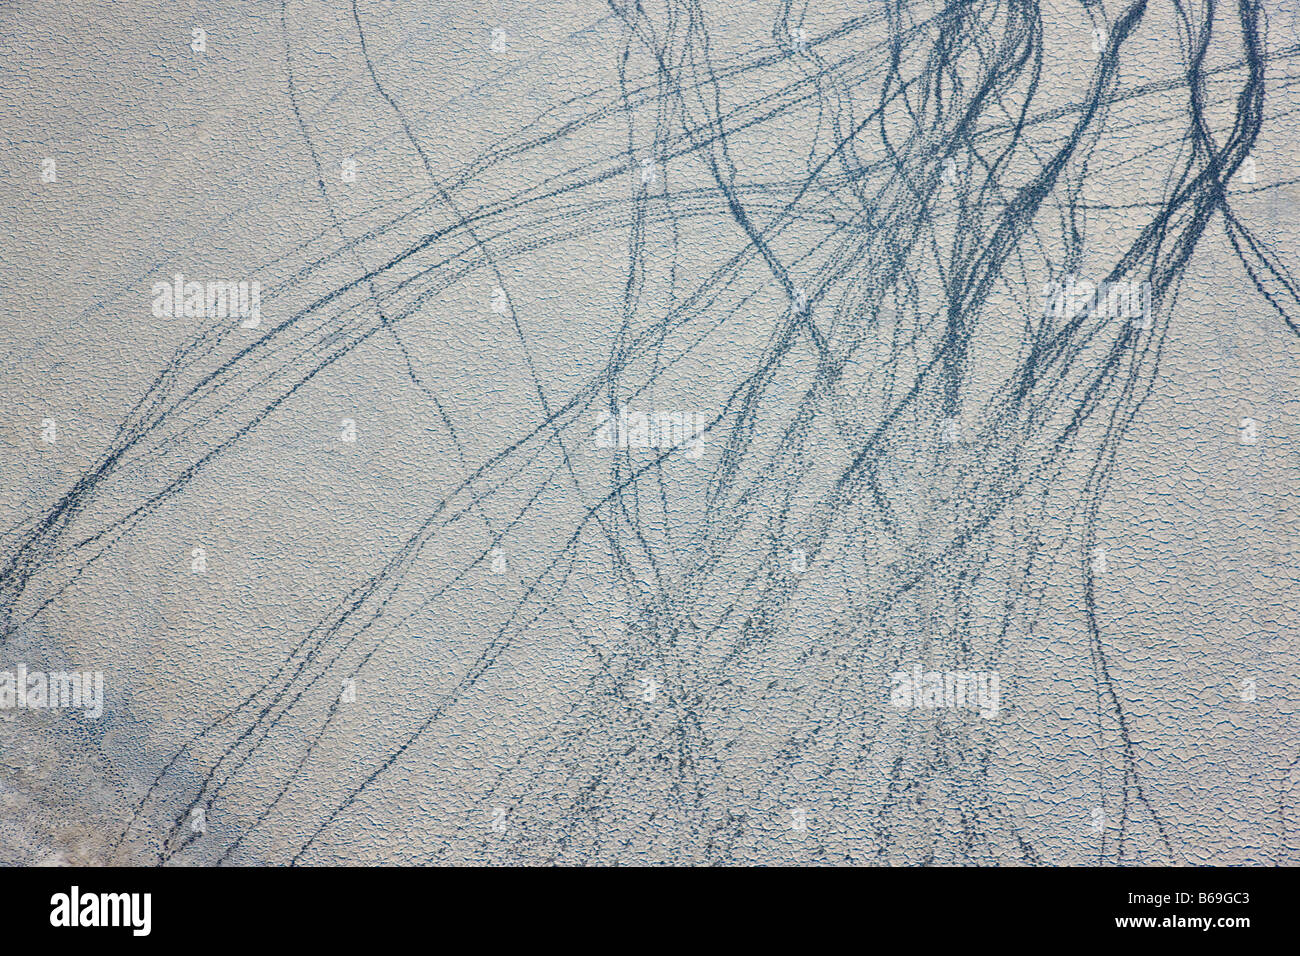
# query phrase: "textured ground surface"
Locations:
[[375, 580]]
